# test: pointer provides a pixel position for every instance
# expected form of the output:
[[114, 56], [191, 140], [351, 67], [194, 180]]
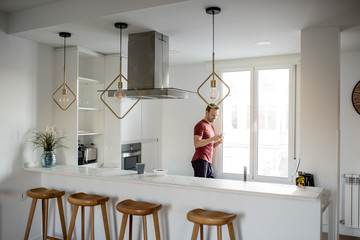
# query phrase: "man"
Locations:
[[205, 140]]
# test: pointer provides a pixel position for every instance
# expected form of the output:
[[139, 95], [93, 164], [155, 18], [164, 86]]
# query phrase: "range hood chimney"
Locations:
[[148, 67]]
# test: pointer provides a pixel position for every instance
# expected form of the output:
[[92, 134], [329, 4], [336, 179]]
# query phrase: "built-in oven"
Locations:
[[130, 155]]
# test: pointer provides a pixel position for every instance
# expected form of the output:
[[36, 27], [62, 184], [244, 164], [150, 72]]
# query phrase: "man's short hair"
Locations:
[[211, 106]]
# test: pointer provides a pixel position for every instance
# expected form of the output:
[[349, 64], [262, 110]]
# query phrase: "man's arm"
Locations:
[[218, 142], [199, 142]]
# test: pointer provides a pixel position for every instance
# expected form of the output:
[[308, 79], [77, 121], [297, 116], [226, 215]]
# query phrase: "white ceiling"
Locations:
[[9, 6], [238, 27]]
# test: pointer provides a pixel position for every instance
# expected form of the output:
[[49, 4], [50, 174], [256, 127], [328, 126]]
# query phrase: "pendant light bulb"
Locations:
[[120, 93], [64, 97], [214, 93]]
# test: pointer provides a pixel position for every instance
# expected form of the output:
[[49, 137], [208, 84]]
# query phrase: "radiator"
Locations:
[[351, 200]]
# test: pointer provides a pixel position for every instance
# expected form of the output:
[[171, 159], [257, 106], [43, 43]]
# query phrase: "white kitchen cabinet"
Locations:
[[130, 130], [141, 124], [151, 133], [150, 155], [83, 122], [151, 119]]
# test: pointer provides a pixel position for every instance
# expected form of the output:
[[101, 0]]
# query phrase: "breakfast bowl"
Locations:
[[160, 172]]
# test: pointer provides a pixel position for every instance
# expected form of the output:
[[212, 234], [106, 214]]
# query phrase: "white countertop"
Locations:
[[235, 186]]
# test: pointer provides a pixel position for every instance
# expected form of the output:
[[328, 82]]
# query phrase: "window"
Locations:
[[255, 123]]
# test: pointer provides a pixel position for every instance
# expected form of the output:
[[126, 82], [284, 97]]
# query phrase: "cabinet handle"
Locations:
[[130, 154]]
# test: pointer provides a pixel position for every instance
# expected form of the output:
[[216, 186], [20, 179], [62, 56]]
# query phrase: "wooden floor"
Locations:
[[341, 237]]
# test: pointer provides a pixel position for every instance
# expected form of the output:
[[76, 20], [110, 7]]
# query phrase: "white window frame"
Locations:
[[292, 158]]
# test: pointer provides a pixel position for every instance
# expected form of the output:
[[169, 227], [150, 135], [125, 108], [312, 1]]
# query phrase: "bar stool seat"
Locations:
[[202, 217], [45, 194], [88, 200], [131, 207]]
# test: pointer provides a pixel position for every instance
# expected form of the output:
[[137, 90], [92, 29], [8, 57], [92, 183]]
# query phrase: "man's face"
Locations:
[[212, 115]]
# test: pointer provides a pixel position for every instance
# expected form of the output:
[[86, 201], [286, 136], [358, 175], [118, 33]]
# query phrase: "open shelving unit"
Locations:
[[90, 114], [84, 122]]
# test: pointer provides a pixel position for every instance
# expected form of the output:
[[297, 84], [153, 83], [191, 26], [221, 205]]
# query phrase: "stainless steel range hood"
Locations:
[[148, 67]]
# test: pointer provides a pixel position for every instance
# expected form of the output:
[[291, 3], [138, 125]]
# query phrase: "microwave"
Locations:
[[130, 155]]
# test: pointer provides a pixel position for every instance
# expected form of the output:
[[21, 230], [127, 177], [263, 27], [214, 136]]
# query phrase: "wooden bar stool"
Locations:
[[88, 200], [131, 207], [45, 194], [202, 217]]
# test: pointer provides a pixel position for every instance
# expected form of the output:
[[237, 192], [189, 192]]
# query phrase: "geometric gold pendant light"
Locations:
[[213, 92], [120, 95], [64, 97]]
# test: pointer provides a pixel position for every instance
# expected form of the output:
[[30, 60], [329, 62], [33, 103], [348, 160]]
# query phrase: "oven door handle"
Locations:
[[131, 154]]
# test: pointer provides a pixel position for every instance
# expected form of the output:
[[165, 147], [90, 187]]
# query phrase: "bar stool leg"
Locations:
[[82, 222], [195, 231], [201, 232], [156, 225], [144, 227], [45, 203], [219, 232], [231, 231], [130, 226], [31, 216], [92, 223], [62, 218], [72, 222], [105, 219], [123, 226]]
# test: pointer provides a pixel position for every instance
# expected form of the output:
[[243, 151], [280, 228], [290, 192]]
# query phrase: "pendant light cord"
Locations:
[[120, 41], [213, 18], [64, 58], [213, 52], [120, 48]]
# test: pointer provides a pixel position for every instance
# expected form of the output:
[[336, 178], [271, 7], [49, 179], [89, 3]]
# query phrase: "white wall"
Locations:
[[180, 117], [349, 125], [319, 111], [25, 79]]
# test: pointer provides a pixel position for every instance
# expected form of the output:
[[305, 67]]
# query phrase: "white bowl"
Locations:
[[160, 172]]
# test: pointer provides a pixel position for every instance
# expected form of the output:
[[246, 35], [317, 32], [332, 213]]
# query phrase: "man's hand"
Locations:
[[218, 137]]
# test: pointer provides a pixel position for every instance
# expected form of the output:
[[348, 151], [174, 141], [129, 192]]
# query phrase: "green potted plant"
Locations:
[[49, 141]]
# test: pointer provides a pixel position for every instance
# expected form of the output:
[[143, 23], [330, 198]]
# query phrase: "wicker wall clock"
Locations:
[[355, 97]]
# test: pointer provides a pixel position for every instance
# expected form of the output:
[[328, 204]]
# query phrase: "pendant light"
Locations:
[[64, 97], [119, 94], [213, 92]]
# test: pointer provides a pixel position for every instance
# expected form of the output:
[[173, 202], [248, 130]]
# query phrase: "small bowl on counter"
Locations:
[[160, 172]]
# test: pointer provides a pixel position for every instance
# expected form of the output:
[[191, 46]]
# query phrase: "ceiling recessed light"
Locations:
[[263, 43]]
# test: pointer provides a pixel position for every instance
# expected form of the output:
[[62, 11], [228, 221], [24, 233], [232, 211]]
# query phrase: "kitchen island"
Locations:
[[265, 210]]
